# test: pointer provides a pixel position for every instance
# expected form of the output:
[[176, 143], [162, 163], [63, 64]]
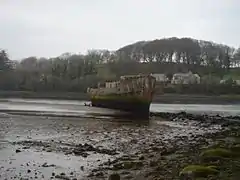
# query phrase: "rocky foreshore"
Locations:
[[168, 146], [213, 155]]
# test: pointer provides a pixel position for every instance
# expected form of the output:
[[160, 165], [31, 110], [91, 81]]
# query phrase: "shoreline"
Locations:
[[163, 99]]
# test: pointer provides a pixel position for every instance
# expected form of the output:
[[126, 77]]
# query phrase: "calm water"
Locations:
[[77, 108]]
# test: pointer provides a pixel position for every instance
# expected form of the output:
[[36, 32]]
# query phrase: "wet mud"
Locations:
[[165, 159], [45, 147]]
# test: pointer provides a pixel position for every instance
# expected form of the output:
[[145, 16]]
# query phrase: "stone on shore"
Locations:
[[114, 176]]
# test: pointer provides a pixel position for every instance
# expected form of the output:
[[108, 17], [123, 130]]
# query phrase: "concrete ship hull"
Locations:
[[132, 94], [133, 105]]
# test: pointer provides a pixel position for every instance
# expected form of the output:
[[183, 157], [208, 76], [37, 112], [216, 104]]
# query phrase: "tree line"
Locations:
[[183, 50], [76, 72]]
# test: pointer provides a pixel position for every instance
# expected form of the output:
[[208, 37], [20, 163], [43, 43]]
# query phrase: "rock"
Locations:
[[141, 158], [53, 174], [154, 148], [114, 177], [132, 164], [125, 173], [26, 147], [28, 170], [18, 150], [48, 165], [62, 177], [82, 168], [151, 156], [128, 176], [99, 174], [153, 163], [91, 175], [118, 166], [49, 150], [80, 152]]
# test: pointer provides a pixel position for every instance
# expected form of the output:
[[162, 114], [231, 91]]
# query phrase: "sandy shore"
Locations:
[[45, 147]]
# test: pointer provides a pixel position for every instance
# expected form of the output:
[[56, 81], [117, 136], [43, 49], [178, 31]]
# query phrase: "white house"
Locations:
[[160, 77], [185, 78], [237, 82]]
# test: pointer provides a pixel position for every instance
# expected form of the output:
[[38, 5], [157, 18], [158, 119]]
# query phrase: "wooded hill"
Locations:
[[75, 72]]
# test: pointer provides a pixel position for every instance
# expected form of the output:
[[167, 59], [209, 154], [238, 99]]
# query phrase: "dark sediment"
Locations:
[[176, 158], [168, 148], [78, 150]]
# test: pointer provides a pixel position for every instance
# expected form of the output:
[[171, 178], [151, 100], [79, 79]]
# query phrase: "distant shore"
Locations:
[[165, 98]]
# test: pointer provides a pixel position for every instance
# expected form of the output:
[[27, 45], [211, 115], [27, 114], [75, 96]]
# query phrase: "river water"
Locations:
[[77, 108], [70, 122]]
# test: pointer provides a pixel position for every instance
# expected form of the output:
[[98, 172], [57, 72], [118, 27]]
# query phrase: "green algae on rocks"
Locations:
[[218, 153], [199, 171]]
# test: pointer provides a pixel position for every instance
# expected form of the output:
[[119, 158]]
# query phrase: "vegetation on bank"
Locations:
[[76, 72]]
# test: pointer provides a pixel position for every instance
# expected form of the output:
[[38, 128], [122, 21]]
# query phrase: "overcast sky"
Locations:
[[46, 28]]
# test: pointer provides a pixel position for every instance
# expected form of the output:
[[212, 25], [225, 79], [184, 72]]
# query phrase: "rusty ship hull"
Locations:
[[132, 94]]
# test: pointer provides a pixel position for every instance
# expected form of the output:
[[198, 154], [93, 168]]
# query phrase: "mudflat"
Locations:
[[35, 145]]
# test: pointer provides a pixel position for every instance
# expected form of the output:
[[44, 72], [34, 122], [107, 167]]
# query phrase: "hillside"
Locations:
[[76, 72]]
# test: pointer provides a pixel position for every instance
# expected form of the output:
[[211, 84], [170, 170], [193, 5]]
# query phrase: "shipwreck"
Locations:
[[131, 93]]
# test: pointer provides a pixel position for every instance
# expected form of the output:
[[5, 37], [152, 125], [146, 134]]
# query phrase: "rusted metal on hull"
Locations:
[[131, 93]]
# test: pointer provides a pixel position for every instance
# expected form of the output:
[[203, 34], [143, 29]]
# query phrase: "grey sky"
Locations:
[[47, 28]]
